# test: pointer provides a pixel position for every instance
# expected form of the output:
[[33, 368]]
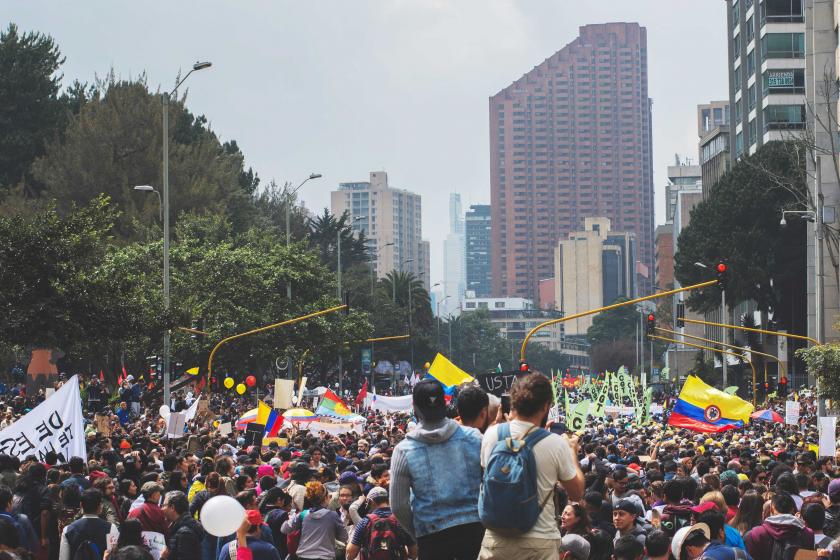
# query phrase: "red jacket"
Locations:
[[152, 519]]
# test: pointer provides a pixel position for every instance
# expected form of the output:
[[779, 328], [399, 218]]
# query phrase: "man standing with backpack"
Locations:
[[781, 530], [87, 538], [435, 477], [522, 462], [379, 536]]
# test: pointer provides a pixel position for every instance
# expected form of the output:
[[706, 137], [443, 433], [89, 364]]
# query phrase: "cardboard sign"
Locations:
[[828, 428], [254, 434], [496, 383], [103, 425], [203, 408], [283, 391], [175, 425], [225, 429], [792, 412]]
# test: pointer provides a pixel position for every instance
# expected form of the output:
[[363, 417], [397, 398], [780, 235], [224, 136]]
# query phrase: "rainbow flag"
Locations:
[[702, 408], [332, 406]]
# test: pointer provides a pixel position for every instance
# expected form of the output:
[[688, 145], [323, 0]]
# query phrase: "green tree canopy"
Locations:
[[31, 112], [739, 224]]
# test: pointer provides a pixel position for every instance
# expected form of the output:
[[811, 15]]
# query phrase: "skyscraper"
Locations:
[[766, 71], [454, 263], [477, 239], [390, 219], [571, 139]]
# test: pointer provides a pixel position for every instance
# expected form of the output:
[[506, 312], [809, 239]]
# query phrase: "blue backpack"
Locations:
[[508, 503]]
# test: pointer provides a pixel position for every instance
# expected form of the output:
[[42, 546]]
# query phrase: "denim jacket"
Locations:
[[435, 477]]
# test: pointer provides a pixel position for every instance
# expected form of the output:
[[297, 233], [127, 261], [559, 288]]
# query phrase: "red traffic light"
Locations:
[[721, 268], [651, 318], [523, 367]]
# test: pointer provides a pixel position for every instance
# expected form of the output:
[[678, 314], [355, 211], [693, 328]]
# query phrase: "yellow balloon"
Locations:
[[215, 423], [228, 382], [427, 365], [240, 388]]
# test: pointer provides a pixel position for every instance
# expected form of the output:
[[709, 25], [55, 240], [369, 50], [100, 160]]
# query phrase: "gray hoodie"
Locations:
[[321, 528]]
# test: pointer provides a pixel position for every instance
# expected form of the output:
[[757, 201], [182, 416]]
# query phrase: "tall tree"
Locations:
[[30, 111]]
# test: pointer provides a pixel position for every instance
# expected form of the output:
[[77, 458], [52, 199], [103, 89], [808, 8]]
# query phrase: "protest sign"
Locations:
[[792, 412], [336, 428], [192, 411], [48, 392], [54, 425], [577, 421], [254, 434], [225, 428], [600, 402], [299, 398], [283, 390], [155, 542], [103, 425], [175, 425], [828, 445], [496, 383]]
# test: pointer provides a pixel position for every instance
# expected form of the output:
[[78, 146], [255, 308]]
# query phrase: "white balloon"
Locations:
[[221, 516], [164, 411]]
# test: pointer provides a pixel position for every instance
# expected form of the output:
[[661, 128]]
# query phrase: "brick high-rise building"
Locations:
[[571, 139]]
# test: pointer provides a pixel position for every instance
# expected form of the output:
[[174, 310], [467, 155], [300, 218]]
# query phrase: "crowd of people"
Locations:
[[459, 479]]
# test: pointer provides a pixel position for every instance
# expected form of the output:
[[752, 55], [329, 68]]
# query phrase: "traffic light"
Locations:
[[524, 367], [651, 323], [196, 325], [721, 269], [680, 314], [345, 300]]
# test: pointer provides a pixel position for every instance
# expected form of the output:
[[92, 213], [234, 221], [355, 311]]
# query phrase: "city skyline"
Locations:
[[445, 60]]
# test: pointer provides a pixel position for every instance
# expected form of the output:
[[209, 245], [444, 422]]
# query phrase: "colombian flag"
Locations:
[[702, 408], [271, 418], [448, 373]]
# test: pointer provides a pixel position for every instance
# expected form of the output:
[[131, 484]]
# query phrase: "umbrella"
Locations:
[[767, 416], [247, 418], [299, 415]]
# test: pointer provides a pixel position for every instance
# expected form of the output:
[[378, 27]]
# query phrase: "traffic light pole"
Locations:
[[723, 334], [607, 308], [727, 352]]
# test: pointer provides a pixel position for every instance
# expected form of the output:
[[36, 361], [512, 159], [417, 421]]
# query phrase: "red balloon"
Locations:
[[250, 381]]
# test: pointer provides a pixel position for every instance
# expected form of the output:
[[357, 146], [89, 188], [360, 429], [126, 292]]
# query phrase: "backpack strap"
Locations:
[[503, 431], [535, 435]]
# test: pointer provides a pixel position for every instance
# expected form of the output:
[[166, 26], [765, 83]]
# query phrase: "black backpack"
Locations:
[[784, 550], [87, 550]]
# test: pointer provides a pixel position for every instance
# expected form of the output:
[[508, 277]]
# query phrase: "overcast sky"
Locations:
[[345, 87]]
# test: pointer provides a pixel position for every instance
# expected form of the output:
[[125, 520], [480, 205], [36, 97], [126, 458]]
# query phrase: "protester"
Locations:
[[441, 512], [555, 458], [781, 528], [90, 532], [380, 531], [185, 533], [319, 527]]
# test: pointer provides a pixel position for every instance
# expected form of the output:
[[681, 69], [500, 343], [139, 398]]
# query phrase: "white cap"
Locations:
[[682, 534]]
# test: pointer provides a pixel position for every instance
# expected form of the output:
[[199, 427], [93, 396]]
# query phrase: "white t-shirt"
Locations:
[[555, 461]]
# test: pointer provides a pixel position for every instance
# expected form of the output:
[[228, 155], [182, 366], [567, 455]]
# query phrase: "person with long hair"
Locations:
[[110, 508], [127, 495], [750, 513], [319, 527], [574, 520]]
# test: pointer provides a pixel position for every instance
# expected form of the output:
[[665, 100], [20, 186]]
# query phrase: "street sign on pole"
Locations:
[[366, 359]]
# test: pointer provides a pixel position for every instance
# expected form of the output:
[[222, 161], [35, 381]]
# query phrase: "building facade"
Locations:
[[571, 139], [454, 259], [766, 71], [592, 268], [477, 226], [665, 256], [391, 220]]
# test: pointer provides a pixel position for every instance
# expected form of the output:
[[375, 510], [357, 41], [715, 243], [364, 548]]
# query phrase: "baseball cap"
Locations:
[[834, 487], [254, 517], [682, 534], [377, 493], [626, 505], [577, 545], [429, 400], [704, 507], [348, 477]]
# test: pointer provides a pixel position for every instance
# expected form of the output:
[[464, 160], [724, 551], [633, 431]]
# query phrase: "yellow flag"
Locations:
[[263, 410], [193, 370], [448, 373]]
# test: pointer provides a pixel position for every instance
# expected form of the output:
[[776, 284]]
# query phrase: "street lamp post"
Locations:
[[438, 318], [164, 202], [289, 195], [340, 297]]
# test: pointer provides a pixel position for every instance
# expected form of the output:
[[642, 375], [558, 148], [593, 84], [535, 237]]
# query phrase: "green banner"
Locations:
[[577, 421]]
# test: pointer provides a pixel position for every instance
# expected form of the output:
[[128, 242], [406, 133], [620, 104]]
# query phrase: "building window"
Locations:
[[736, 14], [751, 64], [783, 45], [750, 30], [499, 305], [752, 132], [739, 144], [783, 81], [782, 11], [784, 117], [738, 110], [736, 46], [751, 98]]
